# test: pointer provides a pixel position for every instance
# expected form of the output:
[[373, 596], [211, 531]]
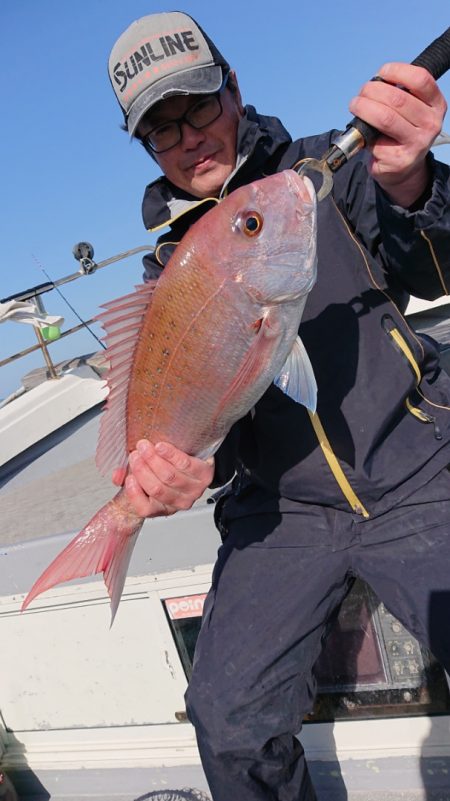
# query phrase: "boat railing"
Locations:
[[84, 254]]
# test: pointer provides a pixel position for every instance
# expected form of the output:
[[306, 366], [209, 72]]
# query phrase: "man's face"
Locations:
[[204, 158]]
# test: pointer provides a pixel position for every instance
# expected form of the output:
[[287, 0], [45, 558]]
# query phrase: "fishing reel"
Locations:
[[84, 253]]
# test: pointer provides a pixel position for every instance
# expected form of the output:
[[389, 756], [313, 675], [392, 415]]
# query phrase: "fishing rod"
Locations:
[[83, 252], [435, 58]]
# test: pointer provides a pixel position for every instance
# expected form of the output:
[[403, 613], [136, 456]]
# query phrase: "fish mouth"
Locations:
[[310, 188], [303, 187]]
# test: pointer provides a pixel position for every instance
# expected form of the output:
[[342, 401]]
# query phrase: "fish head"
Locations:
[[271, 237]]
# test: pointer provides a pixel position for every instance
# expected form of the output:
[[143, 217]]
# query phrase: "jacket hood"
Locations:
[[259, 138]]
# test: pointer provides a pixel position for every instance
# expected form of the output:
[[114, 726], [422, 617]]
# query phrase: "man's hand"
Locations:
[[409, 119], [163, 480]]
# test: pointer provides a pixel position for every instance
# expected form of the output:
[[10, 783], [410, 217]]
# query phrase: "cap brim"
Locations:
[[203, 80]]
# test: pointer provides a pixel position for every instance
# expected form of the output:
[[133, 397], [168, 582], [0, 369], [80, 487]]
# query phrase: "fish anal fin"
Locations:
[[210, 450]]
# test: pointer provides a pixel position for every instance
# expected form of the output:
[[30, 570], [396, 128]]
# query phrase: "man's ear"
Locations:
[[234, 88]]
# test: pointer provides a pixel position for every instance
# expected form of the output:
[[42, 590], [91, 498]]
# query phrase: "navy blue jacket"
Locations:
[[382, 427]]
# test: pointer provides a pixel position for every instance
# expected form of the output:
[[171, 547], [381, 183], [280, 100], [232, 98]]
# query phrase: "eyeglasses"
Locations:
[[199, 115]]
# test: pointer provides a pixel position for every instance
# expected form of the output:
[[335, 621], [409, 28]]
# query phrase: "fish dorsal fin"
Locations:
[[122, 322]]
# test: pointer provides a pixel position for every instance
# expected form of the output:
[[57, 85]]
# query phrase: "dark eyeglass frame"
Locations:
[[185, 118]]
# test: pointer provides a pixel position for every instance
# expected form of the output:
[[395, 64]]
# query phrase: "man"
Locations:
[[361, 487]]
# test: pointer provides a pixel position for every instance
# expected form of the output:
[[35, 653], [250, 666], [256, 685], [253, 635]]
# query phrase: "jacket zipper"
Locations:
[[338, 473], [401, 343], [424, 417]]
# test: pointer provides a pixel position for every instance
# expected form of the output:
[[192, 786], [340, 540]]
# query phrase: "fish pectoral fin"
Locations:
[[250, 368], [297, 379]]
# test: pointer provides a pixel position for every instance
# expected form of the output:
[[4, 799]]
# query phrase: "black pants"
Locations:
[[277, 581]]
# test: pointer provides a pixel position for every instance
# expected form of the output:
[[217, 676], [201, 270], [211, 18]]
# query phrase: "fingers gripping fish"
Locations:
[[192, 354]]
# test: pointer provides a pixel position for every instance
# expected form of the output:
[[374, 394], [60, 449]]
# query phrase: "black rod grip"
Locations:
[[435, 58]]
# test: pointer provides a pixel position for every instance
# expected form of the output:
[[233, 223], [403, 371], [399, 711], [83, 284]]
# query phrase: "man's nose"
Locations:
[[191, 137]]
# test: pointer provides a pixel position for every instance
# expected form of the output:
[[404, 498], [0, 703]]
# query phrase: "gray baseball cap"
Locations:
[[159, 56]]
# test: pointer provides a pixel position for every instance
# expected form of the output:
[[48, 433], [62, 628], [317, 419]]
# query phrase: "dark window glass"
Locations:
[[370, 665]]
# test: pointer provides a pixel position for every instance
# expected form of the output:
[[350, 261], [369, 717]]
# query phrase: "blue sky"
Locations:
[[68, 171]]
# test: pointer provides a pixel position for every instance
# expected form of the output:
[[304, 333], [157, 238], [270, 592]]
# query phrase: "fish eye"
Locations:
[[252, 223]]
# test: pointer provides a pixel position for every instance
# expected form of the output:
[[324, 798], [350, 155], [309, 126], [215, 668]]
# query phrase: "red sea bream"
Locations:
[[193, 352]]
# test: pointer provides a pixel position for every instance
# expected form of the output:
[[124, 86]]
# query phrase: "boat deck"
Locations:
[[383, 780], [52, 488]]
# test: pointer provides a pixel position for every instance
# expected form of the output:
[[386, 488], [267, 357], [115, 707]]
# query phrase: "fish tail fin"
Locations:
[[104, 546], [116, 572]]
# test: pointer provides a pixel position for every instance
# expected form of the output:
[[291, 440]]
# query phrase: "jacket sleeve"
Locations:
[[413, 245], [226, 458], [239, 446], [418, 241], [155, 262], [152, 267]]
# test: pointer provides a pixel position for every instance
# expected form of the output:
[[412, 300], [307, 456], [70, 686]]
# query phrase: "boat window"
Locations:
[[184, 614], [369, 667]]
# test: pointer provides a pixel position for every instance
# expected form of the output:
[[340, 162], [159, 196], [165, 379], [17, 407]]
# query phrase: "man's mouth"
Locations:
[[198, 162]]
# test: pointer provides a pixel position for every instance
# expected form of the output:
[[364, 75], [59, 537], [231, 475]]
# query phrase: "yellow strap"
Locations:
[[435, 261], [423, 416], [335, 467], [404, 347]]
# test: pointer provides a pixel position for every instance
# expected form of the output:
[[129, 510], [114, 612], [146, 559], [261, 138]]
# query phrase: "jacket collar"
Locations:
[[259, 137]]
